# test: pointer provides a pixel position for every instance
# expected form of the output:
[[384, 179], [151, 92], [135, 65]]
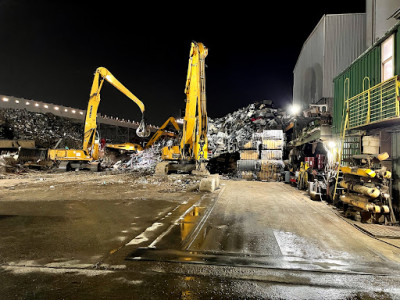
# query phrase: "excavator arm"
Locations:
[[100, 75], [192, 151], [161, 130], [194, 144]]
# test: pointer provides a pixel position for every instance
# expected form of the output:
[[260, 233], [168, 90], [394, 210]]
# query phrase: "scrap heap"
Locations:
[[250, 139], [141, 161], [44, 129], [227, 133]]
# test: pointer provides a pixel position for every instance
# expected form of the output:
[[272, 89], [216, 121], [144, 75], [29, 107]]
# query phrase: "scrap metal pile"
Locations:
[[226, 134], [142, 161], [44, 129], [252, 139]]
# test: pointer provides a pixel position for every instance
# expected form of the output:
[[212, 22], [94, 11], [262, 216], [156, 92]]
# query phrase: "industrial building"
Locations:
[[334, 43], [355, 56]]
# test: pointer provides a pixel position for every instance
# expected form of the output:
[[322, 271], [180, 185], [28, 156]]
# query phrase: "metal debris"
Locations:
[[44, 129], [228, 133]]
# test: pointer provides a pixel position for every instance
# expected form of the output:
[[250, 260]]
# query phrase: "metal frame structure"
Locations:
[[374, 105]]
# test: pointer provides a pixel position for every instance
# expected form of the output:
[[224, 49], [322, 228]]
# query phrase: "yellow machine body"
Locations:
[[363, 172], [170, 153], [125, 147], [67, 154]]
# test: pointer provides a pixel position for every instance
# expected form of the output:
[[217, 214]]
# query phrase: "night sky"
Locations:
[[49, 51]]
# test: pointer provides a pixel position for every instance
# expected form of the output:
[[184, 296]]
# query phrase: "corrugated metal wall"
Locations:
[[308, 73], [345, 41], [368, 65], [378, 21], [335, 42]]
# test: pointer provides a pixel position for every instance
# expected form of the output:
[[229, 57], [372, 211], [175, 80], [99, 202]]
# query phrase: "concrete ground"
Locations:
[[85, 235]]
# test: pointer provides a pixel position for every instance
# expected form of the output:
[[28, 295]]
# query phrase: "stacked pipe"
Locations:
[[366, 189]]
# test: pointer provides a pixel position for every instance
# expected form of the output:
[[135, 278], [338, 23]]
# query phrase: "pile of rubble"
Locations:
[[143, 161], [228, 133], [170, 184], [44, 129]]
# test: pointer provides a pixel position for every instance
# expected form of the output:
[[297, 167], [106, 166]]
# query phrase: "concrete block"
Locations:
[[207, 184], [217, 180]]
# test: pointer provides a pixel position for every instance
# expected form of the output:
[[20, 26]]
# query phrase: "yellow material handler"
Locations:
[[88, 156], [192, 151]]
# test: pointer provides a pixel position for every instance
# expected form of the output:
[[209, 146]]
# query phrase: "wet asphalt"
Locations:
[[248, 240]]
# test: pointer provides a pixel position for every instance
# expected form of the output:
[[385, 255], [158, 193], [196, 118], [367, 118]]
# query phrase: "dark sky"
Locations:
[[49, 51]]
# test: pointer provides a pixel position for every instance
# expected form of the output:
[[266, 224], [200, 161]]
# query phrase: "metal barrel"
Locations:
[[248, 165]]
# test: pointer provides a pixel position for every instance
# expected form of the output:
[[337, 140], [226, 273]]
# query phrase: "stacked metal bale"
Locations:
[[261, 157]]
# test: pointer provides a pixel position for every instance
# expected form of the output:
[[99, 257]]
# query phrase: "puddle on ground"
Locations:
[[189, 221]]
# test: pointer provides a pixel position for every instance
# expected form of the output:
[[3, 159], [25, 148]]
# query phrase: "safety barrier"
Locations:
[[377, 104]]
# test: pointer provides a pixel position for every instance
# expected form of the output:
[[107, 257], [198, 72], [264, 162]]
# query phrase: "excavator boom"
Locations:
[[193, 147], [90, 148], [194, 144], [161, 130], [100, 75]]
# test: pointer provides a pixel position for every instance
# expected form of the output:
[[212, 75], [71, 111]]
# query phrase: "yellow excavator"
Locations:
[[88, 156], [115, 152], [192, 152], [161, 131]]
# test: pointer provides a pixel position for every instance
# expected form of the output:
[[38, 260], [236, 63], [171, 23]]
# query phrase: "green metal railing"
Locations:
[[374, 105]]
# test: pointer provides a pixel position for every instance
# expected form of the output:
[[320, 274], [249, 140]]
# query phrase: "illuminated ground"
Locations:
[[84, 236]]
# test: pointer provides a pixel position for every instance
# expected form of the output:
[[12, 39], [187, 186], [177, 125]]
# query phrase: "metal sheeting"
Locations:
[[308, 72], [366, 65], [351, 82], [335, 42], [345, 41]]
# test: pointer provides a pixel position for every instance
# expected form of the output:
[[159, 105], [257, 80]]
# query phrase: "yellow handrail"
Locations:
[[376, 104]]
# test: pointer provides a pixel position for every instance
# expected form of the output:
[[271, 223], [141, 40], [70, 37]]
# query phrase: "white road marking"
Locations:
[[143, 237]]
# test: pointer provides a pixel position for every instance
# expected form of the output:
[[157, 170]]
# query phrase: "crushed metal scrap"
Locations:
[[225, 136], [227, 133], [45, 129]]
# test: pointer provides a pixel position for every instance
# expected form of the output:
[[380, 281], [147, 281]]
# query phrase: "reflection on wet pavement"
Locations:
[[190, 220], [229, 231]]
